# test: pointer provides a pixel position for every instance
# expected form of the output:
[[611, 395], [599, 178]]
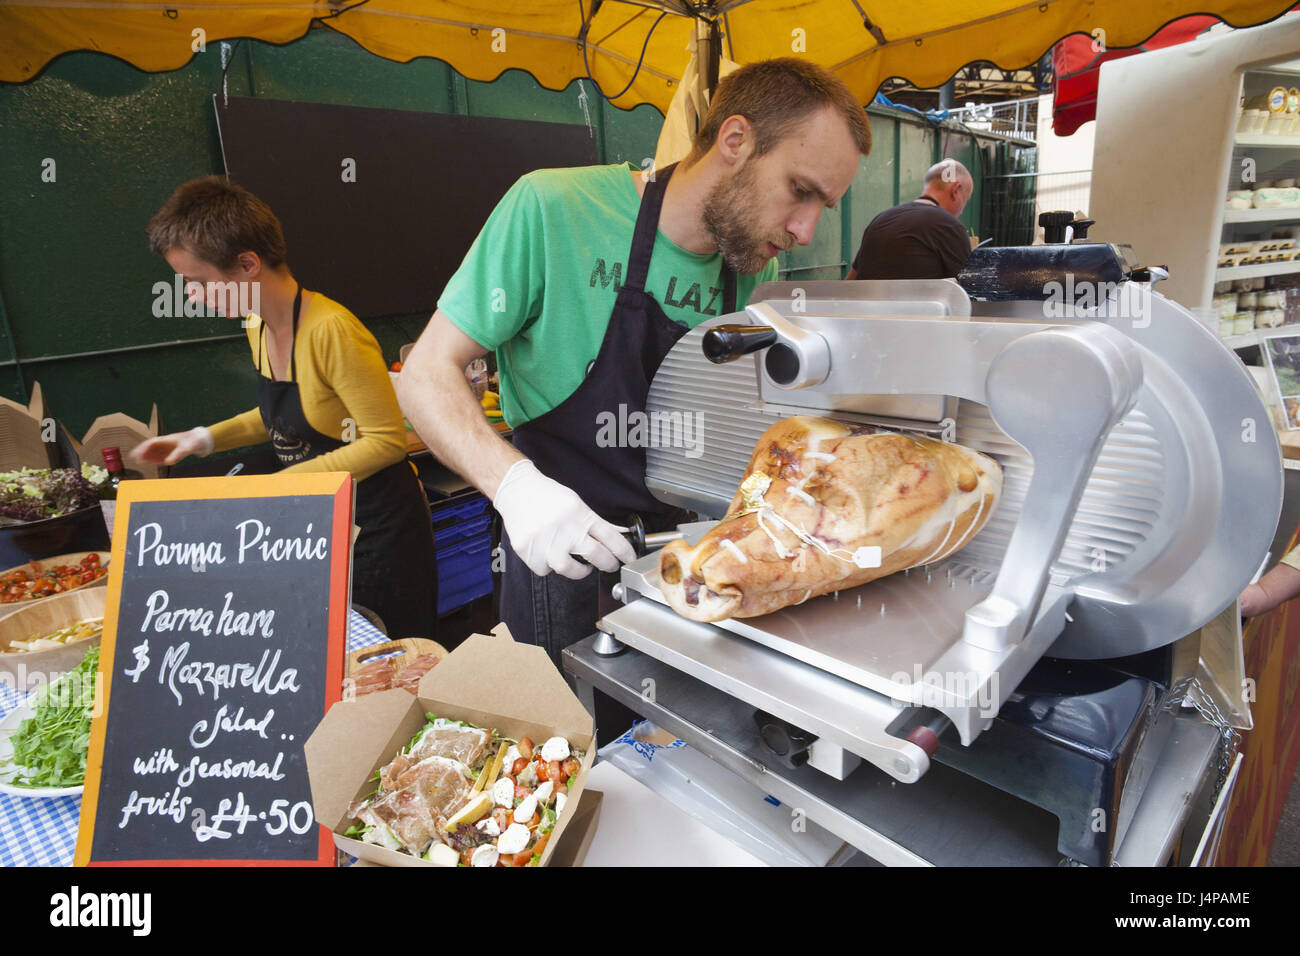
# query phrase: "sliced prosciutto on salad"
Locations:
[[461, 795]]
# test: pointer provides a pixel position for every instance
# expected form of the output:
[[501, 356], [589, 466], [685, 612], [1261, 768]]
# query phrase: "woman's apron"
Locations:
[[394, 571]]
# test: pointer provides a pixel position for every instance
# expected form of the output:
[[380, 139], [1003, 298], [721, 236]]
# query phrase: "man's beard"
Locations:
[[729, 215]]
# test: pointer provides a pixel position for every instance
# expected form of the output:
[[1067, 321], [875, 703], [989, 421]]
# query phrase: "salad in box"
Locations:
[[460, 794], [484, 768]]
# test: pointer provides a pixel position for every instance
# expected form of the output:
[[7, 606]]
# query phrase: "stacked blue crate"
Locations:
[[462, 537]]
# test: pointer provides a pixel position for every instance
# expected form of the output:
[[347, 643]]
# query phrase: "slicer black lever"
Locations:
[[1152, 274], [726, 343]]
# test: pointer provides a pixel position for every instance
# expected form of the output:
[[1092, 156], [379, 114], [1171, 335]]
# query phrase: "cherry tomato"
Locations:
[[540, 845], [543, 771], [525, 747], [518, 766], [522, 793], [514, 859], [465, 856]]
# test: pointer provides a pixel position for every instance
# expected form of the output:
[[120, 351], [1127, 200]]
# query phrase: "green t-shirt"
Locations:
[[540, 281]]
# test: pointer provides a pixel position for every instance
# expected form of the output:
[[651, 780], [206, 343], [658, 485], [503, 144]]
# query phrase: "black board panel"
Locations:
[[383, 234]]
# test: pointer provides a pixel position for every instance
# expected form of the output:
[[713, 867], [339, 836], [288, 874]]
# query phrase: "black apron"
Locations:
[[562, 443], [393, 564]]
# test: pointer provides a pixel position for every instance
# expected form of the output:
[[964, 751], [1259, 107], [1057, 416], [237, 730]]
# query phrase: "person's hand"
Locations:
[[1255, 600], [548, 524], [169, 449]]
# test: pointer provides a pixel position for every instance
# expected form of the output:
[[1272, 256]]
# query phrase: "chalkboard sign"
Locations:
[[223, 647]]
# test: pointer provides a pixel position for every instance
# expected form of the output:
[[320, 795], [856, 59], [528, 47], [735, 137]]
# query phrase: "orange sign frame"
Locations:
[[335, 484]]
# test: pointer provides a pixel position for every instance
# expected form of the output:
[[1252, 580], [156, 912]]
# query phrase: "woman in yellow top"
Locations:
[[324, 398]]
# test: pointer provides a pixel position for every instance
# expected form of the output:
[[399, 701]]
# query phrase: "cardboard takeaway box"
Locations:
[[490, 681], [122, 431], [23, 433], [28, 438]]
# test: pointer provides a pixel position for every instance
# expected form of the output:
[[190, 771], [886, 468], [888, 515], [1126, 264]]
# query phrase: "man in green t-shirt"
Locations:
[[581, 281]]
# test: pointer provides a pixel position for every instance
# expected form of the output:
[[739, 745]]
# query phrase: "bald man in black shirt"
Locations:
[[921, 239]]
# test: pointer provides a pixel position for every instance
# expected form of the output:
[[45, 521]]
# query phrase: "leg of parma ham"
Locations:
[[826, 506]]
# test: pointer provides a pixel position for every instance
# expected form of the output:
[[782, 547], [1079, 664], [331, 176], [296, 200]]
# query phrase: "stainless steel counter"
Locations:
[[945, 819]]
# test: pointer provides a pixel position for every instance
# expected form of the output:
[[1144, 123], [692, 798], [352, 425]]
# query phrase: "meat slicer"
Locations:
[[1035, 668]]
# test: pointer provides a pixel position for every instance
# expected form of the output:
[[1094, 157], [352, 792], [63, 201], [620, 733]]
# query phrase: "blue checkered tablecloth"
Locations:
[[43, 831]]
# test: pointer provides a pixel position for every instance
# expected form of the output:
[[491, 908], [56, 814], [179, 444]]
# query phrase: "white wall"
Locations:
[[1064, 166]]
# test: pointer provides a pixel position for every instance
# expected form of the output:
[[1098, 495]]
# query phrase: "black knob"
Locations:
[[1054, 224], [788, 743], [726, 343], [1079, 229]]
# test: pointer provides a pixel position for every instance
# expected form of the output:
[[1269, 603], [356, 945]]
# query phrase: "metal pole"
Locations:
[[715, 55], [95, 353], [20, 391], [708, 52]]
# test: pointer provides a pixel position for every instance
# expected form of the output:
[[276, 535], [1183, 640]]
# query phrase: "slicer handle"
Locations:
[[643, 543], [1098, 373], [726, 343]]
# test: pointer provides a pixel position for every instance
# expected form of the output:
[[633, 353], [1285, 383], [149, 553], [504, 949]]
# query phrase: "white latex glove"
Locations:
[[548, 524], [169, 449]]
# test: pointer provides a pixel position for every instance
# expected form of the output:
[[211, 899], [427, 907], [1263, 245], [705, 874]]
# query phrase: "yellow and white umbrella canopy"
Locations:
[[863, 41]]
